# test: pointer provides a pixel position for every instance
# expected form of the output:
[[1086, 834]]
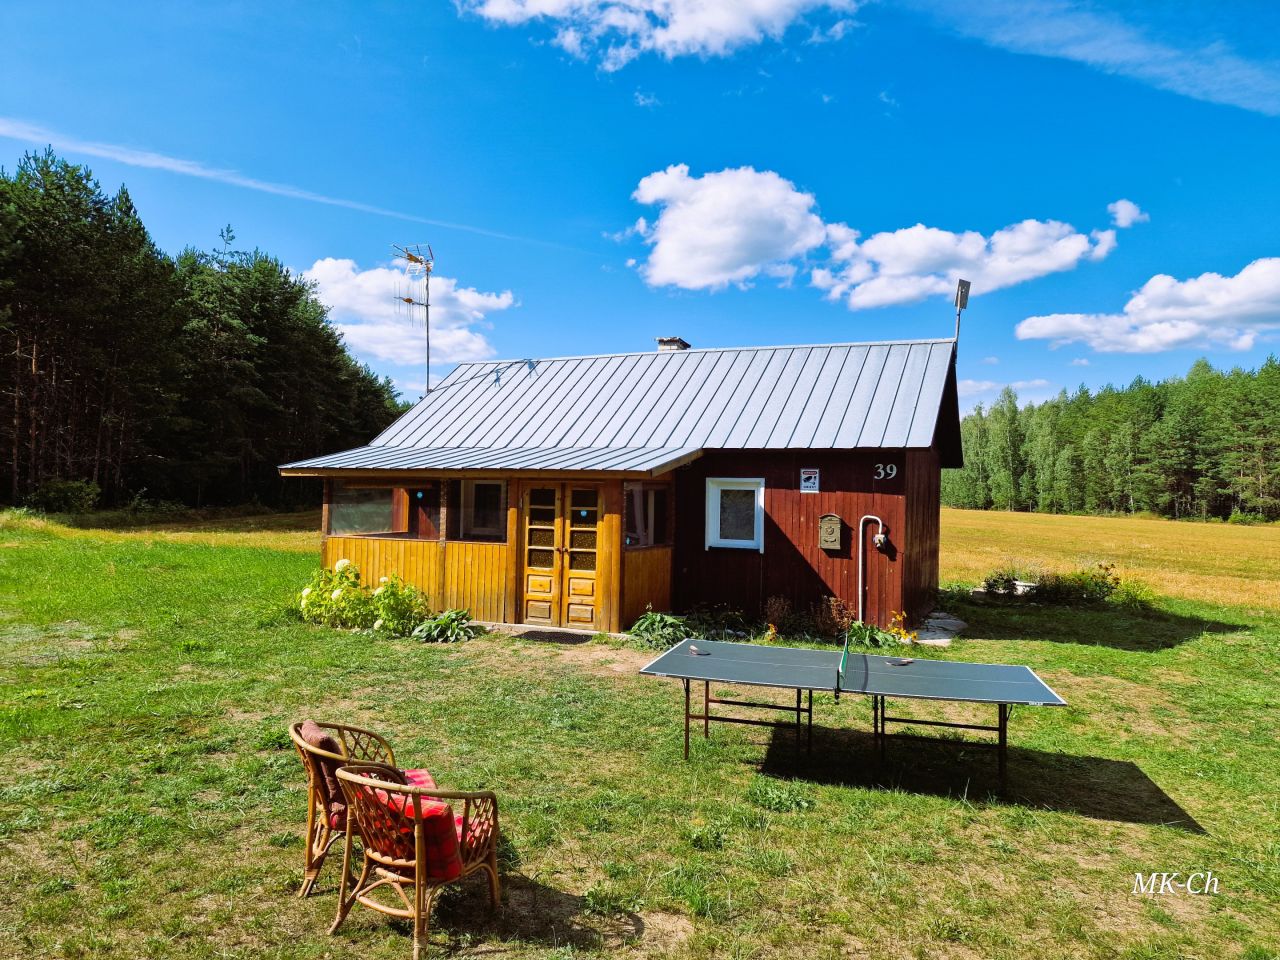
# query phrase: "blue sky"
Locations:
[[595, 173]]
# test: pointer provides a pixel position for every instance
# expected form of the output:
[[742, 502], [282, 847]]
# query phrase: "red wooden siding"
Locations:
[[920, 560], [792, 564]]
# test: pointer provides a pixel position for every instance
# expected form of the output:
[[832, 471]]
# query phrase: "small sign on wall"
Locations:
[[809, 481]]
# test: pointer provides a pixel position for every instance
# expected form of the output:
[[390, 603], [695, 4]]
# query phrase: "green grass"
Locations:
[[151, 804]]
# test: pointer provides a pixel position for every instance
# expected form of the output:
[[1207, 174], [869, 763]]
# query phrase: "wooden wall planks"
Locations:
[[468, 575]]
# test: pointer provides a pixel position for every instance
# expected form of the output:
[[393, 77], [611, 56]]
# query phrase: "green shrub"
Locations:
[[718, 622], [451, 626], [869, 635], [1134, 595], [399, 607], [1090, 585], [658, 630], [335, 598], [1001, 580], [65, 496]]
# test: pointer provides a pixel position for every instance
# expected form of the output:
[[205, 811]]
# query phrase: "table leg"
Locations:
[[1003, 748], [686, 719], [882, 736], [706, 710], [810, 745]]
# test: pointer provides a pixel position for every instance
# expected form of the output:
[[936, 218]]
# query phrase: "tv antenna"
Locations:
[[418, 266], [962, 301]]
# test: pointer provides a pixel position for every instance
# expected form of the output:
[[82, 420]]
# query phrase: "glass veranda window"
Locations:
[[646, 515]]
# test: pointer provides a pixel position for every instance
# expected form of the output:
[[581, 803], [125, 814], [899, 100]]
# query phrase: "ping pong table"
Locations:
[[879, 677]]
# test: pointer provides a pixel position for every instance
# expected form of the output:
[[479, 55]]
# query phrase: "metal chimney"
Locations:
[[668, 344]]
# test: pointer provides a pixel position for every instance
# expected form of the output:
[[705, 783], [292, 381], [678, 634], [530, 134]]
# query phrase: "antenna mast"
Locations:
[[418, 264], [962, 301]]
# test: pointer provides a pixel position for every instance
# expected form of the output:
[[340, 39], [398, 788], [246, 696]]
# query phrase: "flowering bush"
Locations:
[[336, 598]]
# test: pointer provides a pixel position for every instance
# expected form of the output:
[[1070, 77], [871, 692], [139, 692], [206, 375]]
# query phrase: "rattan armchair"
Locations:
[[327, 816], [412, 844]]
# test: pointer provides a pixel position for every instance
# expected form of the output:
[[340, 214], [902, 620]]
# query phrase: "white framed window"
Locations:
[[735, 513]]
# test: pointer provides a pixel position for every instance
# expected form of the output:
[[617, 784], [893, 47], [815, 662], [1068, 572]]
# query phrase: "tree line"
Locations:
[[1206, 445], [185, 378]]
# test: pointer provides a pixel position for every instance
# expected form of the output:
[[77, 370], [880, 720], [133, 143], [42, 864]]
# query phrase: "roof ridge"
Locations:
[[652, 353]]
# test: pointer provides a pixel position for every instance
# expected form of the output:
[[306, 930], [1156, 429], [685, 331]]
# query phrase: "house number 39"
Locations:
[[886, 471]]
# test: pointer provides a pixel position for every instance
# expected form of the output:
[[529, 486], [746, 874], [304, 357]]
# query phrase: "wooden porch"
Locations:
[[563, 559]]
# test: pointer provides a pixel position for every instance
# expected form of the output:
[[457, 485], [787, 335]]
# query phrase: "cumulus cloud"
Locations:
[[903, 266], [363, 307], [1125, 213], [1080, 362], [1166, 313], [618, 31], [729, 227], [723, 228]]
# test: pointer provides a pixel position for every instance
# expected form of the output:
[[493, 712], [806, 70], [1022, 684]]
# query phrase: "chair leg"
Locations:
[[423, 896], [495, 888], [345, 901], [318, 842]]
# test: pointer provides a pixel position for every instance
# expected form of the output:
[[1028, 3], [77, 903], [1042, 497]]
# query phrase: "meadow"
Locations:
[[151, 804]]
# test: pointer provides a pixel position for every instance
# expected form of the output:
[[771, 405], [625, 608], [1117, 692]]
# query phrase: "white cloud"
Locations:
[[975, 388], [990, 361], [30, 133], [618, 31], [1167, 313], [643, 99], [1212, 72], [731, 226], [903, 266], [1080, 362], [724, 228], [1125, 213], [972, 388], [364, 308]]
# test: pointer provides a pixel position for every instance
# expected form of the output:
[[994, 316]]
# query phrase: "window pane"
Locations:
[[543, 559], [658, 520], [359, 510], [486, 509], [737, 515]]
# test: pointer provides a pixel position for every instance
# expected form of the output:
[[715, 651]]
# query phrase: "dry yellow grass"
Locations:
[[1213, 562], [295, 532]]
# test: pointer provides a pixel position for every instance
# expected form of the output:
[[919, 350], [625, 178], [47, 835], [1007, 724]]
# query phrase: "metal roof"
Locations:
[[601, 412], [614, 459]]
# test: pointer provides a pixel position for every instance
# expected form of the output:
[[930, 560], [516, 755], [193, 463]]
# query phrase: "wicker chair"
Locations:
[[413, 844], [326, 810]]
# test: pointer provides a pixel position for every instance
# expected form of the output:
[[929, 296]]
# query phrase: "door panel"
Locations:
[[561, 533], [580, 606], [541, 563]]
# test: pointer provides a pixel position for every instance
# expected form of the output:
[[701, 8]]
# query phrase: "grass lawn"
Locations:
[[152, 806]]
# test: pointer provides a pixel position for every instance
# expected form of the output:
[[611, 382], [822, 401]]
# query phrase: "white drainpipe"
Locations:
[[879, 540]]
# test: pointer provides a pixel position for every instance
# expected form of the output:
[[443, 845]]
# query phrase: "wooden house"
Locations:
[[576, 492]]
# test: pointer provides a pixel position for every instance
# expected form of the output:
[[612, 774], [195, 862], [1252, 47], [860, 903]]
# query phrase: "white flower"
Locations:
[[336, 595], [303, 601], [306, 592], [382, 579], [378, 591], [341, 565], [377, 624]]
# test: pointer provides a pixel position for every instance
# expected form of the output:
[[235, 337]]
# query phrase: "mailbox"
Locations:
[[830, 531]]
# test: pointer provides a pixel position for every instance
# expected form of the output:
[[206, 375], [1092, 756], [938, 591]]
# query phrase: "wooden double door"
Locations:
[[561, 557]]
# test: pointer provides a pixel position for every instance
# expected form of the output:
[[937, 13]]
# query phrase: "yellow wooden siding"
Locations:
[[471, 576], [646, 581]]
